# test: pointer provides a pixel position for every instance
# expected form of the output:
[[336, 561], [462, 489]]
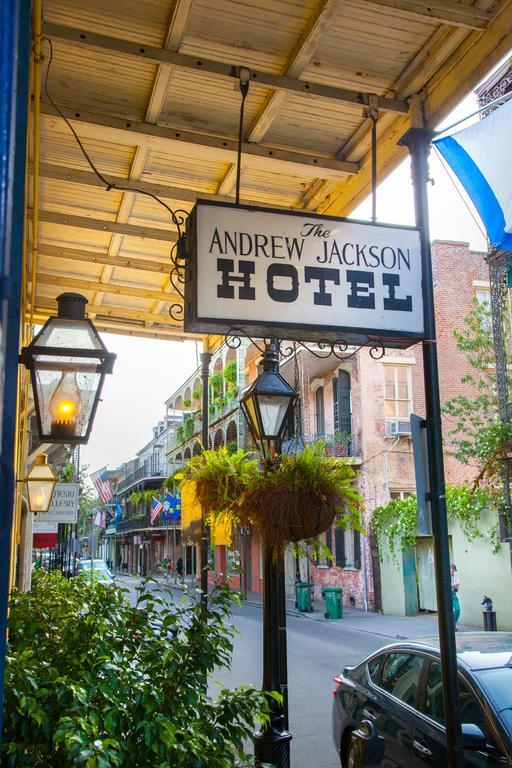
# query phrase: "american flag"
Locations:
[[102, 484], [156, 508]]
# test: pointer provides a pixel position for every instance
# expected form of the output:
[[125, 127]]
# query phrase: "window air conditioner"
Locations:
[[398, 428]]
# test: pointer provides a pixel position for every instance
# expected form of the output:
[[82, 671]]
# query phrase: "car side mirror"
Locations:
[[473, 737]]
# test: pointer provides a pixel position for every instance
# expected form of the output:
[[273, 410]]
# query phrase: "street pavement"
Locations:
[[317, 650]]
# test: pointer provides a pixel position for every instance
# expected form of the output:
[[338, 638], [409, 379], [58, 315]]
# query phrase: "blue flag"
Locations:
[[118, 513]]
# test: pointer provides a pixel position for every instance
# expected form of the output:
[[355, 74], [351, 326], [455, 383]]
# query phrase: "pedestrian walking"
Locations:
[[179, 569], [455, 596]]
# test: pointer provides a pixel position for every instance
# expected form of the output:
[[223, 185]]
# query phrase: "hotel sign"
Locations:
[[297, 275]]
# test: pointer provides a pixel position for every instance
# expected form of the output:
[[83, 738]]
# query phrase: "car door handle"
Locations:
[[421, 748], [369, 715]]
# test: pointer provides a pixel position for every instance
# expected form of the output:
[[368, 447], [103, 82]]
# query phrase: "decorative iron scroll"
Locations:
[[180, 261], [321, 349]]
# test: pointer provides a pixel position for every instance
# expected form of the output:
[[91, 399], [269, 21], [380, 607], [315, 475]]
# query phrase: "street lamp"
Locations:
[[40, 483], [266, 406], [67, 361]]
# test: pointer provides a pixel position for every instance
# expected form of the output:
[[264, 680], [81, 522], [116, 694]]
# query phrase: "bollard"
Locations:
[[489, 615]]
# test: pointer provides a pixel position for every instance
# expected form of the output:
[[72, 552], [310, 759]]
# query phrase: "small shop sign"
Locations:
[[64, 506], [297, 275]]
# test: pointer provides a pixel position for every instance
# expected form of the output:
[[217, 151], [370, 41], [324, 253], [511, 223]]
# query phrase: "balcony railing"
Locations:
[[192, 427], [336, 445], [151, 470]]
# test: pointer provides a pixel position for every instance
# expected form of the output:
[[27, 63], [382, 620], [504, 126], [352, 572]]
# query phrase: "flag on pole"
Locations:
[[102, 484], [103, 519], [118, 512], [481, 158], [156, 508], [172, 505], [97, 517]]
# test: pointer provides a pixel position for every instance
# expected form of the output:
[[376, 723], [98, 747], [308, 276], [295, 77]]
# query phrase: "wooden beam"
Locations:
[[64, 173], [112, 313], [111, 227], [175, 30], [448, 12], [79, 284], [183, 61], [92, 257], [299, 60], [171, 140]]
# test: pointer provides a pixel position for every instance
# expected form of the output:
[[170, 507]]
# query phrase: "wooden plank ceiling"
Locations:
[[151, 88]]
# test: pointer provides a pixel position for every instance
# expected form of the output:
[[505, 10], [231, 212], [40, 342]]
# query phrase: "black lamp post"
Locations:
[[266, 406], [68, 362]]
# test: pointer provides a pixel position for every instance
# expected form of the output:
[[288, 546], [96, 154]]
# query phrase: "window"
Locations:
[[470, 709], [483, 297], [398, 400], [399, 494], [342, 408], [400, 676], [373, 668], [320, 415], [347, 548]]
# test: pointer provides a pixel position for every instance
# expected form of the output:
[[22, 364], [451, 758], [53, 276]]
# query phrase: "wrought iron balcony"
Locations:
[[142, 473]]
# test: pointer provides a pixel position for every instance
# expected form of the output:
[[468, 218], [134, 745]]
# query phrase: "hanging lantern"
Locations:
[[67, 361], [268, 403], [40, 483]]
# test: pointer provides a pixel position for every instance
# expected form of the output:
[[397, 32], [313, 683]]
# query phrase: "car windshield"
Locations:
[[497, 684]]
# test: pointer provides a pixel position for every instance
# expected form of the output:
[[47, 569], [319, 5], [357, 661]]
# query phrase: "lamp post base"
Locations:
[[272, 747]]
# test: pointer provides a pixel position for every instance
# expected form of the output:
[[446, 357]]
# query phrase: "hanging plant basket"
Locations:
[[294, 499], [301, 497]]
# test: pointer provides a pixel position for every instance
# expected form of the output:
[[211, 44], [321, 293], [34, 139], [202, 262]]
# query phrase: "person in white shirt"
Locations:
[[455, 596]]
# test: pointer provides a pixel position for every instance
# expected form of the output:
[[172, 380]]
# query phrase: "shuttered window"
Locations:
[[320, 413], [342, 403]]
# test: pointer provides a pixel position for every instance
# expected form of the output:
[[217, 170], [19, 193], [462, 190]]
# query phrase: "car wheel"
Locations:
[[347, 751]]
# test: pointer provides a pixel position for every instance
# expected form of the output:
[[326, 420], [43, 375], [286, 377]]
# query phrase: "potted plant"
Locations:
[[288, 500], [217, 384], [180, 434], [187, 402], [188, 427]]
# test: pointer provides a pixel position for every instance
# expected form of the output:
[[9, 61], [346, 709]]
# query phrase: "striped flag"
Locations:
[[481, 158], [97, 517], [156, 508], [102, 484]]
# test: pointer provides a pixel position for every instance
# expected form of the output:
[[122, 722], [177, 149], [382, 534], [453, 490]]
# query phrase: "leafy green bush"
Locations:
[[396, 523], [94, 682]]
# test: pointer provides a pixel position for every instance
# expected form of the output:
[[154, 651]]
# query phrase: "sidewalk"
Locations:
[[388, 627]]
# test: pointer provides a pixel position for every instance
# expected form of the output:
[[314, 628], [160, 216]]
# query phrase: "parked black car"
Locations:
[[399, 691]]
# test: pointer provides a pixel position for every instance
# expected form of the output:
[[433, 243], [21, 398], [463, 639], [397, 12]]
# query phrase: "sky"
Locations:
[[148, 371]]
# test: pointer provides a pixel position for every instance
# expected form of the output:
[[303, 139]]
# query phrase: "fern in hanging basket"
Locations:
[[220, 477], [301, 496]]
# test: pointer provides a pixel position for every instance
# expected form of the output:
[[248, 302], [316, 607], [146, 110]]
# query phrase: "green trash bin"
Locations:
[[304, 596], [333, 597]]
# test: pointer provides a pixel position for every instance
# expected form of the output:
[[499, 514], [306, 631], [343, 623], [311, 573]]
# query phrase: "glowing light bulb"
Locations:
[[39, 501], [65, 406]]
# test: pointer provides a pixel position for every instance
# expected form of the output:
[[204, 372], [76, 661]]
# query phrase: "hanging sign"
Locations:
[[64, 506], [296, 275]]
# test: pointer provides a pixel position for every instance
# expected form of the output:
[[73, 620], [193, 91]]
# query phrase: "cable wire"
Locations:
[[109, 185]]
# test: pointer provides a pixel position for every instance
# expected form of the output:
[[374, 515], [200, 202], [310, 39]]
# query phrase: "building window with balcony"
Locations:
[[320, 412], [398, 399]]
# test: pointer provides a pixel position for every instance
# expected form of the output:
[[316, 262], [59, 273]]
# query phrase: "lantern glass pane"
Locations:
[[273, 409], [40, 485], [251, 412], [67, 389], [69, 334]]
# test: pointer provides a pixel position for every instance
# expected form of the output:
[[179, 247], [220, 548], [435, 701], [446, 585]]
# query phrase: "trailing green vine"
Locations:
[[396, 523]]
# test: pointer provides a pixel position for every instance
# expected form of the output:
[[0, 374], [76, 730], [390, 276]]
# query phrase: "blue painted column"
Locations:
[[14, 77]]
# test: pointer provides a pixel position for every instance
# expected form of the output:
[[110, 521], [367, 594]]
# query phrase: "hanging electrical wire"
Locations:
[[109, 185]]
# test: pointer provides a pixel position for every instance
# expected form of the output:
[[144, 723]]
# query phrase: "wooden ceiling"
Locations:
[[152, 89]]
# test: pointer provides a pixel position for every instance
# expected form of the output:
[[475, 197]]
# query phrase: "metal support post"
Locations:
[[205, 531], [272, 745], [14, 66], [418, 140]]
